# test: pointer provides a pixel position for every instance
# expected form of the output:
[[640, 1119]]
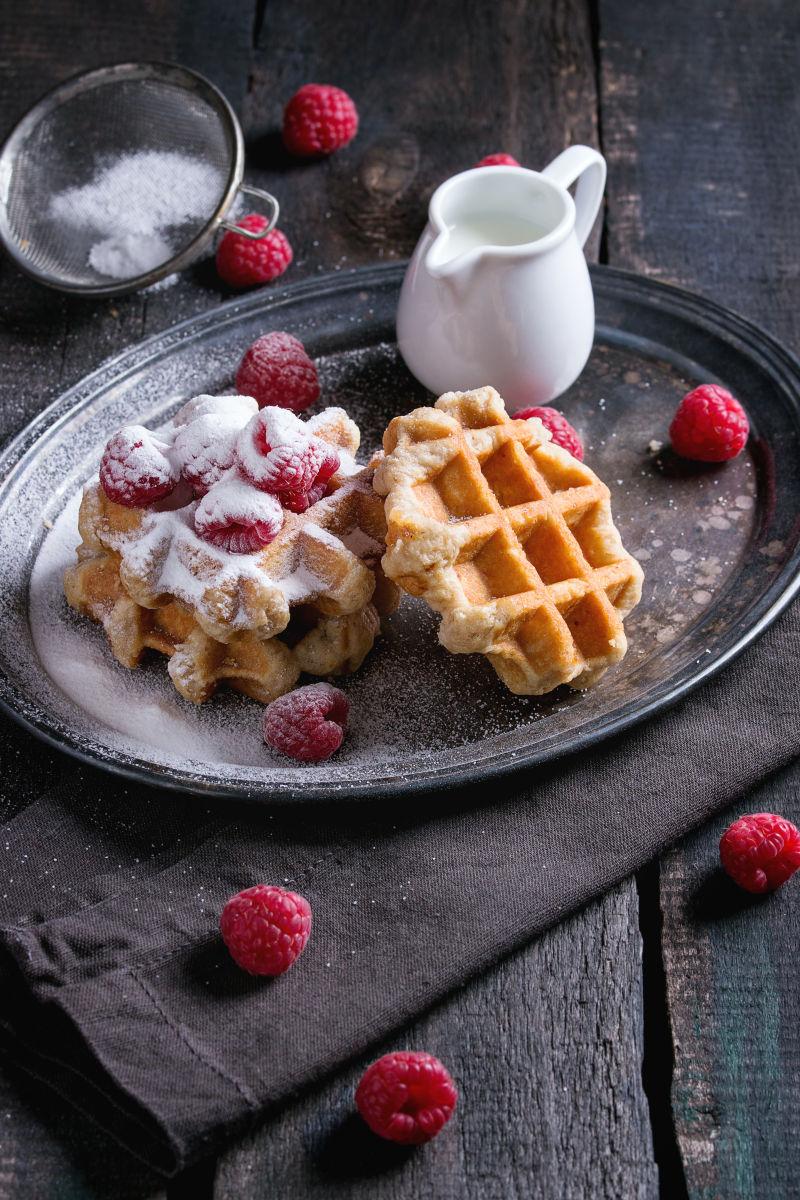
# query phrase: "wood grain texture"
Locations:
[[700, 108], [47, 342], [566, 1115], [436, 89], [546, 1051], [547, 1048], [48, 1152]]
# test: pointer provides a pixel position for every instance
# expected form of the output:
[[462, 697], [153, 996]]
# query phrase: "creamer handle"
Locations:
[[589, 168]]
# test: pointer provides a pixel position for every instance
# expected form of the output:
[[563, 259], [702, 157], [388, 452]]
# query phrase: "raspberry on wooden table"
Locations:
[[278, 454], [277, 371], [760, 851], [319, 119], [406, 1097], [498, 160], [562, 433], [307, 724], [710, 425], [135, 469], [237, 517], [243, 262], [265, 928]]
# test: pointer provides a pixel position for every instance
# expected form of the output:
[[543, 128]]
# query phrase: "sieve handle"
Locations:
[[273, 209]]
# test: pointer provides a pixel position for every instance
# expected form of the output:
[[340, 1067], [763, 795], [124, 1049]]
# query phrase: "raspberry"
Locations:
[[318, 120], [307, 724], [498, 160], [205, 445], [237, 517], [561, 431], [760, 851], [135, 469], [265, 928], [225, 406], [406, 1097], [277, 371], [709, 426], [242, 263], [278, 455]]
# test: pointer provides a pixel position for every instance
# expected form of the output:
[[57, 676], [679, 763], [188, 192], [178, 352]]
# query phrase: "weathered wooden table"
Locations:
[[649, 1042]]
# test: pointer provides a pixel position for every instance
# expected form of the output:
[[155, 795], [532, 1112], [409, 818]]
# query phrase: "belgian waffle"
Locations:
[[509, 538], [198, 664], [309, 601]]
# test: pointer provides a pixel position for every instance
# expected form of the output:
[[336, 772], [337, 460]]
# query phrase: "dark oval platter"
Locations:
[[719, 546]]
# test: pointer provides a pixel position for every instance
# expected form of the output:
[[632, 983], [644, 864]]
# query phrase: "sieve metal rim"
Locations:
[[172, 73]]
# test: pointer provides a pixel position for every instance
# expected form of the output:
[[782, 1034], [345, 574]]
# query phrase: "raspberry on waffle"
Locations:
[[310, 601], [510, 539]]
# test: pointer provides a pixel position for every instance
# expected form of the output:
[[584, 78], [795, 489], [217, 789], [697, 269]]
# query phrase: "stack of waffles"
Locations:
[[310, 601], [510, 539]]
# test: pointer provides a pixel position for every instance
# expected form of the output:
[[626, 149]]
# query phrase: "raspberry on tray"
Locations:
[[307, 724], [710, 425], [561, 432], [277, 371]]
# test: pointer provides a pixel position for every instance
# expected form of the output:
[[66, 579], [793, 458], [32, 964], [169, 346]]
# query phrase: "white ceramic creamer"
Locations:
[[498, 291]]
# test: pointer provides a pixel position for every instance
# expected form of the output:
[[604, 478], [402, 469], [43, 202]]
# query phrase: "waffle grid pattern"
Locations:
[[510, 538]]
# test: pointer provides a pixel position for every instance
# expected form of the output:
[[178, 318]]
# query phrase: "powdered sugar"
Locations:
[[237, 516], [417, 711], [137, 205], [205, 442]]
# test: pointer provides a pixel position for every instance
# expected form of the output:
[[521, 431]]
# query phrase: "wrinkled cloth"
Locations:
[[115, 987]]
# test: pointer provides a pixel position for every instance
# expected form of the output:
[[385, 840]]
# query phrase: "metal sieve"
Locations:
[[81, 129]]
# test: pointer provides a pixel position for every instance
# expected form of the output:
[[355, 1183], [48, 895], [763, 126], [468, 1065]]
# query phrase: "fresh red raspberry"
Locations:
[[318, 120], [277, 454], [760, 851], [498, 160], [709, 426], [205, 445], [135, 469], [561, 431], [277, 371], [307, 724], [406, 1097], [265, 928], [238, 517], [242, 262]]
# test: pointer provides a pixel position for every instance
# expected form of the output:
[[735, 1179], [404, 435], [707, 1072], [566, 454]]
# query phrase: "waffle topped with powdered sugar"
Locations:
[[243, 543]]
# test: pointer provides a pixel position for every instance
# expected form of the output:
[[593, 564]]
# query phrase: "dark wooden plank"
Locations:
[[547, 1048], [47, 1151], [48, 342], [436, 90], [546, 1052], [519, 80], [699, 114]]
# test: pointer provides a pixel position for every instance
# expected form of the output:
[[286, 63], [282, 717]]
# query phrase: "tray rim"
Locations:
[[757, 343]]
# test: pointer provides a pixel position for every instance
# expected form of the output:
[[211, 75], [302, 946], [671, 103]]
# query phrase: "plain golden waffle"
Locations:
[[510, 538], [309, 601]]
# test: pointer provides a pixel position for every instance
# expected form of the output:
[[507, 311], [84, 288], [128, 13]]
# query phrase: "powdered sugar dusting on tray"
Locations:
[[415, 709]]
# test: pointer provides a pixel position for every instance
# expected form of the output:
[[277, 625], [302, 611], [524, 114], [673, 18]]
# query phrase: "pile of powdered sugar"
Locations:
[[136, 207]]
